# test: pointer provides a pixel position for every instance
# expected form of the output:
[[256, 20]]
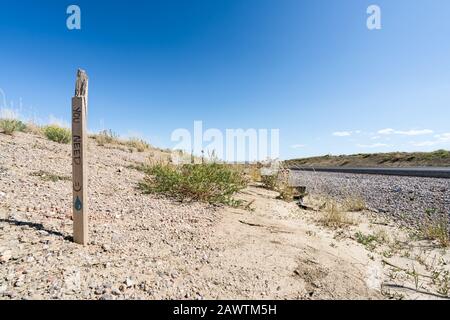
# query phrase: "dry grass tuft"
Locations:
[[255, 173], [333, 216], [436, 228], [139, 144], [34, 128], [279, 181], [354, 204]]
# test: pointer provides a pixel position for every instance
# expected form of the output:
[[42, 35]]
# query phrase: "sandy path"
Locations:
[[286, 256]]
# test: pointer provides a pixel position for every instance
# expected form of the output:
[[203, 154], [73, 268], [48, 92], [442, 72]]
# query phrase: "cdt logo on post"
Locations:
[[374, 20], [74, 20]]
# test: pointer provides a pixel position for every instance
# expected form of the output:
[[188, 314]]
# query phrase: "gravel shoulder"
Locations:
[[146, 247], [405, 199]]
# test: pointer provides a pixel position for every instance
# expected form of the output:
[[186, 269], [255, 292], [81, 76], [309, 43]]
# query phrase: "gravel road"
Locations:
[[403, 198]]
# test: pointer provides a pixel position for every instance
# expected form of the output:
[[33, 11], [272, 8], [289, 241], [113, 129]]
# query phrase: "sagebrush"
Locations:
[[9, 126], [57, 134], [212, 183]]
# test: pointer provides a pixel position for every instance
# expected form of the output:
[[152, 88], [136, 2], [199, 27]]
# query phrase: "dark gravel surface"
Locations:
[[403, 198]]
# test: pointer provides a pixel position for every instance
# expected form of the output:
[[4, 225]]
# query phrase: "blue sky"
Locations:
[[309, 68]]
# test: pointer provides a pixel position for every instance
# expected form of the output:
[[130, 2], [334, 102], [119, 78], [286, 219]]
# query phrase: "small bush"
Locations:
[[57, 134], [211, 183], [9, 126]]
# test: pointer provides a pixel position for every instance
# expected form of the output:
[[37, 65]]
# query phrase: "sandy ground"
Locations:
[[146, 247], [302, 259]]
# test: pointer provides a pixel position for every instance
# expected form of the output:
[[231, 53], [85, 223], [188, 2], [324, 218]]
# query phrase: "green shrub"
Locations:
[[57, 134], [212, 183], [9, 126]]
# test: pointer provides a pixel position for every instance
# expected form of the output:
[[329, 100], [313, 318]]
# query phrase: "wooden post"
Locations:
[[79, 160]]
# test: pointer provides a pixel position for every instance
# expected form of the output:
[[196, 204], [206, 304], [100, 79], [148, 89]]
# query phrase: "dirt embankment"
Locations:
[[440, 158], [147, 247]]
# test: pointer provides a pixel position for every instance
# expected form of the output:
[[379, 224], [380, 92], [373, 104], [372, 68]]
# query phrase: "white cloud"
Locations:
[[386, 131], [375, 145], [425, 143], [443, 138], [298, 146], [342, 133], [390, 131]]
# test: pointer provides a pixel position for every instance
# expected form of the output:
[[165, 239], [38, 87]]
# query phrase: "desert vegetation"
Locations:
[[108, 137], [61, 134], [334, 215], [278, 180], [435, 227], [210, 182], [9, 126], [48, 176], [57, 134]]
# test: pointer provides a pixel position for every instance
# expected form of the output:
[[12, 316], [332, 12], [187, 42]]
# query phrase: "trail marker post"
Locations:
[[79, 160]]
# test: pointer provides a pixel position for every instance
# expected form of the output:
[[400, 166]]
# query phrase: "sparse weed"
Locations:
[[369, 241], [441, 278], [109, 137], [139, 144], [435, 228], [279, 182], [106, 137], [269, 181], [34, 128], [255, 173], [334, 216], [46, 176], [354, 204]]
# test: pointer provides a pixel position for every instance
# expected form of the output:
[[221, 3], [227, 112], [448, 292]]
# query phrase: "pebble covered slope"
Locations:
[[142, 247]]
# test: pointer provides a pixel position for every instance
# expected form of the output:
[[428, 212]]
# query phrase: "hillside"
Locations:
[[440, 158]]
